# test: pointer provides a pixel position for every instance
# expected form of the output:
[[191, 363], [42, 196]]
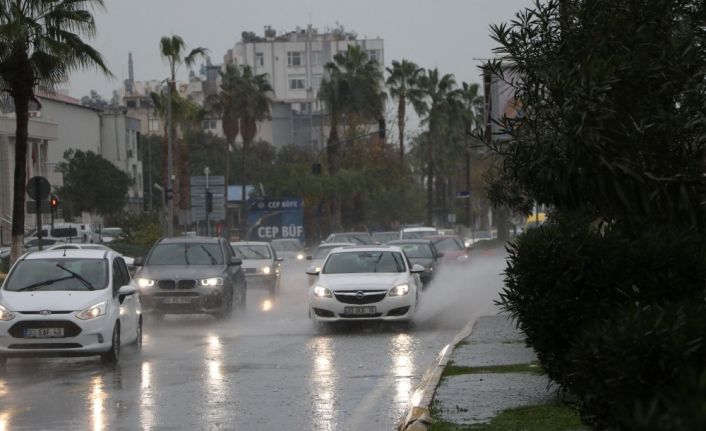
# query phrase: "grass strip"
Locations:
[[547, 417], [455, 370]]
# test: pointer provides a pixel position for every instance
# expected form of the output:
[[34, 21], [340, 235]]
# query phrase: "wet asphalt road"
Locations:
[[265, 369]]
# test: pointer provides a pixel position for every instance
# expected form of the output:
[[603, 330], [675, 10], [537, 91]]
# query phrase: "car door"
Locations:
[[126, 309]]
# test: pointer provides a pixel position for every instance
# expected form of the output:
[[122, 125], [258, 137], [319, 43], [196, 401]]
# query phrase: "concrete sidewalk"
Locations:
[[485, 371]]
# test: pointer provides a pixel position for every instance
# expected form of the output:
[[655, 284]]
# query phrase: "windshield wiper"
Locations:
[[186, 255], [257, 253], [375, 269], [210, 256], [81, 279], [37, 285]]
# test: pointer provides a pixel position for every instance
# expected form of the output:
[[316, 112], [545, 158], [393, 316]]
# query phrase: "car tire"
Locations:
[[226, 307], [242, 302], [113, 355]]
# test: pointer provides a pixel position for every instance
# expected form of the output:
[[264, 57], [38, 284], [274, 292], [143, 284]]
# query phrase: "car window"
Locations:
[[188, 253], [253, 251], [448, 244], [47, 274], [385, 236], [418, 234], [354, 239], [364, 262], [64, 232], [322, 252], [418, 251]]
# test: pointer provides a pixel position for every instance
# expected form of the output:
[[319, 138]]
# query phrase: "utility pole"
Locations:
[[207, 198], [170, 161]]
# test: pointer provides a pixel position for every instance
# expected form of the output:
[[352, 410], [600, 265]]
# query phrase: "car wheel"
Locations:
[[113, 355], [241, 303], [226, 306]]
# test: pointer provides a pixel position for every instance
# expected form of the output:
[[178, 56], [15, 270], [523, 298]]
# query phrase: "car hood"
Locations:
[[182, 272], [52, 300], [362, 281], [256, 263]]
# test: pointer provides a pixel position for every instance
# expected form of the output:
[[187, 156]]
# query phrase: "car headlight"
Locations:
[[145, 282], [462, 257], [321, 292], [93, 311], [300, 256], [400, 290], [211, 282], [5, 314], [265, 269]]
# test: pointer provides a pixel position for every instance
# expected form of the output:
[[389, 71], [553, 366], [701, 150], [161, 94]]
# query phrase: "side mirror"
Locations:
[[126, 290], [138, 262], [235, 261], [309, 257], [417, 269], [279, 259], [313, 270]]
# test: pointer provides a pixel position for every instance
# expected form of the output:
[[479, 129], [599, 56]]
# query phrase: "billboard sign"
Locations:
[[500, 102], [270, 218]]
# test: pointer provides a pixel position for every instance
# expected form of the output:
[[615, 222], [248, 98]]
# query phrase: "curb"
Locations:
[[418, 418]]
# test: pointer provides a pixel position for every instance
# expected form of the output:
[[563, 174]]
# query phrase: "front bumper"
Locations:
[[81, 337], [182, 301], [390, 308]]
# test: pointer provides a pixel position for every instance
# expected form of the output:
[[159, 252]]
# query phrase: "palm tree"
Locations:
[[172, 49], [439, 97], [471, 104], [402, 81], [351, 93], [40, 45]]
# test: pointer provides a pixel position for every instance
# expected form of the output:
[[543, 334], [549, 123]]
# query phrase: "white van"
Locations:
[[67, 232]]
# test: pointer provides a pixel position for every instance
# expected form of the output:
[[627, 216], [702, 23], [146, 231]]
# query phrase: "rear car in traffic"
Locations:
[[417, 232], [184, 275], [421, 252], [69, 303], [365, 283], [358, 238], [452, 247], [316, 260], [261, 264]]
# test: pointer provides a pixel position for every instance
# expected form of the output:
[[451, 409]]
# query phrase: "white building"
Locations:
[[120, 144]]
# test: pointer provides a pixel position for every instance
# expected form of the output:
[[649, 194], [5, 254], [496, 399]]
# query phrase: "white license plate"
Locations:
[[177, 300], [44, 332], [360, 310]]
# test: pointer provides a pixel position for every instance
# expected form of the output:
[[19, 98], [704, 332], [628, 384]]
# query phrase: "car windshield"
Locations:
[[352, 238], [417, 251], [252, 251], [418, 234], [385, 237], [356, 262], [187, 253], [58, 274], [448, 244], [284, 246], [322, 252]]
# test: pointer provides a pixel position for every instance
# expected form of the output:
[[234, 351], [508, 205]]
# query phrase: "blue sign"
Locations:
[[270, 219]]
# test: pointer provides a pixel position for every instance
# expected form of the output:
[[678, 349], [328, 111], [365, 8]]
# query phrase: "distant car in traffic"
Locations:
[[365, 283], [452, 247], [421, 252], [129, 261], [316, 260], [69, 302], [288, 249], [184, 275], [478, 236], [110, 234], [359, 238], [261, 264], [417, 232], [385, 237]]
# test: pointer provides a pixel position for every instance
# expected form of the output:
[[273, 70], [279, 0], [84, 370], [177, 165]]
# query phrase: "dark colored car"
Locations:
[[420, 252], [184, 275], [452, 247]]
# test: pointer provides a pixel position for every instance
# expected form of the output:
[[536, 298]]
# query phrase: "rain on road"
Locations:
[[265, 369]]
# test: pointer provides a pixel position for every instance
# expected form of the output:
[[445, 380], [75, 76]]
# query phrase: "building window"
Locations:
[[260, 59], [131, 104], [317, 58], [294, 58], [374, 55], [154, 125], [316, 81], [297, 82]]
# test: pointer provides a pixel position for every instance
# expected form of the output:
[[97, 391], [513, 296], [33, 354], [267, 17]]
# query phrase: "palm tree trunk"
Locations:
[[243, 191], [400, 124], [430, 177], [21, 99]]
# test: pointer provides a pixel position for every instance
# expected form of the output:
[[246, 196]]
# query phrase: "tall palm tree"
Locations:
[[351, 92], [173, 50], [401, 81], [471, 104], [40, 45], [439, 99], [254, 106]]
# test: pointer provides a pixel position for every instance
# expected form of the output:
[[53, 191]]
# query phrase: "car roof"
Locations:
[[368, 248], [70, 253], [285, 240], [250, 243], [335, 244], [439, 237], [350, 233], [409, 241], [189, 239], [386, 231], [419, 228]]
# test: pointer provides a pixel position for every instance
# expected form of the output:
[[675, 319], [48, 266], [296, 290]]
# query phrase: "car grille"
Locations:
[[51, 312], [360, 296], [359, 316], [42, 346], [165, 294], [70, 328], [186, 284], [166, 284], [250, 270]]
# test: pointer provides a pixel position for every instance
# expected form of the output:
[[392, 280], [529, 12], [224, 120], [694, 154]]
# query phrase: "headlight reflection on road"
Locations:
[[402, 367], [4, 421], [323, 384], [147, 413], [96, 400]]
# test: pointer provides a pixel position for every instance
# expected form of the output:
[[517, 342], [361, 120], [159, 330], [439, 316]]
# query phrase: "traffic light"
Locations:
[[54, 203], [209, 202], [168, 194], [381, 128]]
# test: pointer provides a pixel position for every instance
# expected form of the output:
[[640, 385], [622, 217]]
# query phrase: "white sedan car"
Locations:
[[365, 283], [69, 303]]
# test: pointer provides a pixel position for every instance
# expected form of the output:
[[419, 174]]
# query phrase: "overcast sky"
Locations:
[[447, 34]]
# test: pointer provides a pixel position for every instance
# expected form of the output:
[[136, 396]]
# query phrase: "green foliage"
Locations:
[[91, 184], [549, 417], [140, 232]]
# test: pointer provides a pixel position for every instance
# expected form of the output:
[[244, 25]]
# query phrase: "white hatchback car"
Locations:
[[69, 303], [365, 283]]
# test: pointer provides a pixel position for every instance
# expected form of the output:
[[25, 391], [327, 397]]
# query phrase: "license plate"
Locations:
[[176, 300], [44, 332], [360, 310]]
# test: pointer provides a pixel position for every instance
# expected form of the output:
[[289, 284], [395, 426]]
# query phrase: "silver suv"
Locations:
[[185, 275]]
